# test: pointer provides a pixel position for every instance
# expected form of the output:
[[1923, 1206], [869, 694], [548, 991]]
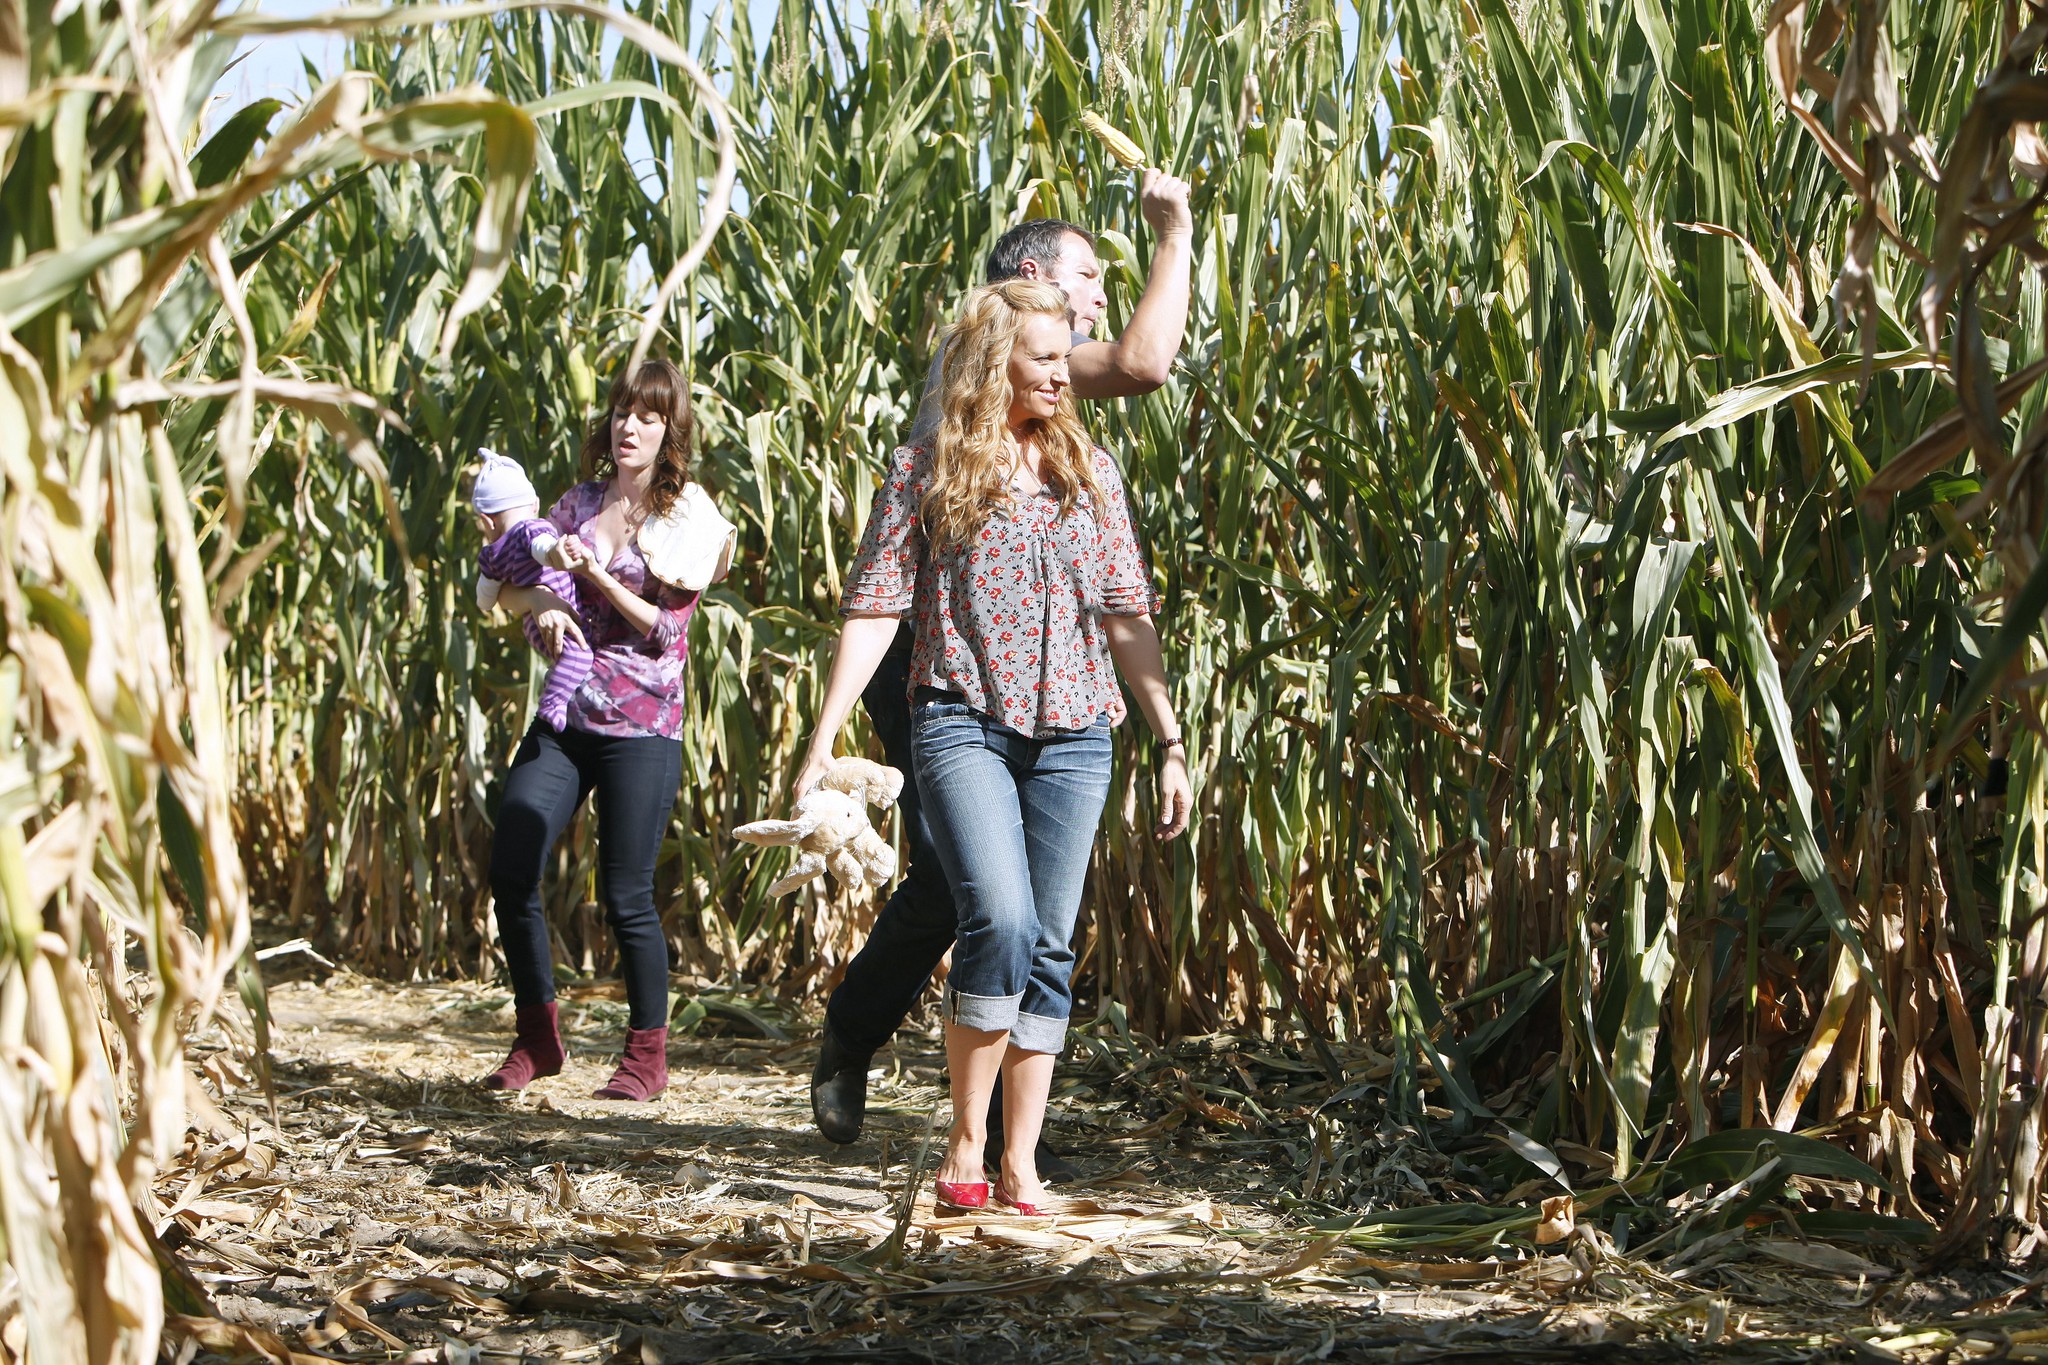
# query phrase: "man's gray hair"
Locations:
[[1036, 239]]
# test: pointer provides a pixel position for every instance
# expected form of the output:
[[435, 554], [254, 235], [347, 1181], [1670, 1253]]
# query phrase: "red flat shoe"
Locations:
[[1003, 1198], [966, 1196]]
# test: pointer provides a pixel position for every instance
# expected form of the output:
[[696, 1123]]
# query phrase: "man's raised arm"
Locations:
[[1140, 360]]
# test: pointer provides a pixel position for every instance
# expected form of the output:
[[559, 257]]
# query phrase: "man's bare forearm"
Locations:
[[1141, 359]]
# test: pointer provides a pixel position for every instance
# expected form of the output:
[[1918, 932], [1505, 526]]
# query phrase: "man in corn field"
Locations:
[[916, 928]]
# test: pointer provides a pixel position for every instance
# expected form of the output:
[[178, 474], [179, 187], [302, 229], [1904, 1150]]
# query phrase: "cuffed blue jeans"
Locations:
[[1012, 820]]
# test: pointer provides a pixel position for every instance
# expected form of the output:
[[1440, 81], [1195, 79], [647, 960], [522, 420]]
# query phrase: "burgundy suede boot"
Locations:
[[643, 1071], [536, 1049]]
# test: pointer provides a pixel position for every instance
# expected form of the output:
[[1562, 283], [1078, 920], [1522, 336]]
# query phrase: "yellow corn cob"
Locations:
[[1120, 147]]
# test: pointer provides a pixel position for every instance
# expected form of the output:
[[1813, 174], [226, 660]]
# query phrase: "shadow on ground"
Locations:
[[395, 1211]]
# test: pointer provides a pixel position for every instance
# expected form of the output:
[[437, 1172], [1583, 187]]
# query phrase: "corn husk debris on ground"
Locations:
[[396, 1210]]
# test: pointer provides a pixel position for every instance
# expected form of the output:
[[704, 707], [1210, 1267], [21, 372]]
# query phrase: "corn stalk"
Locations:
[[1960, 218], [129, 455]]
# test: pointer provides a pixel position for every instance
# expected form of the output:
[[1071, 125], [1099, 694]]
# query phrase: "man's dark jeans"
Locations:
[[916, 927]]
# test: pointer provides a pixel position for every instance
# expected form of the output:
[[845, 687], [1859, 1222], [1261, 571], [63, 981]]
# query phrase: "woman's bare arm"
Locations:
[[639, 613], [1134, 645], [531, 601], [863, 640], [554, 617]]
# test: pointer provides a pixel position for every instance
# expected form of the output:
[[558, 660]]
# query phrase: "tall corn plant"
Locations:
[[1559, 708], [141, 402], [1719, 850], [1962, 231], [1740, 818]]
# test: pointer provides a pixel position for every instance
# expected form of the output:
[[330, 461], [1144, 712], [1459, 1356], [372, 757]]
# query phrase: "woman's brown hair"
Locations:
[[657, 387]]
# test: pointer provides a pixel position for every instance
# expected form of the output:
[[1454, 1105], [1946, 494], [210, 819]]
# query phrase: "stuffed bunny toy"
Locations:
[[830, 827]]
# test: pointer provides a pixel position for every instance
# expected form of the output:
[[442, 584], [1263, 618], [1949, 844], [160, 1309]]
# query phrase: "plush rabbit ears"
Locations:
[[692, 547]]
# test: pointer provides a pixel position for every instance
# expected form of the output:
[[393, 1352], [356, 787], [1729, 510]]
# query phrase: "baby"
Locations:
[[524, 549]]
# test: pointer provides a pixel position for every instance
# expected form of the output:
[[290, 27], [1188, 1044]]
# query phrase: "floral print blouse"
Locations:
[[635, 688], [1011, 620]]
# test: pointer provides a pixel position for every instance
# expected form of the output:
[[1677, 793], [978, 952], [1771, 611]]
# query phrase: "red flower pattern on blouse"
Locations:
[[1014, 623], [635, 686]]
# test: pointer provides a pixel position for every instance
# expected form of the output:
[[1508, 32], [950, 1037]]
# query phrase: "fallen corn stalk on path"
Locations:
[[390, 1211]]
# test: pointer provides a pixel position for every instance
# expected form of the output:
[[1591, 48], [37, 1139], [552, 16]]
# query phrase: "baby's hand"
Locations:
[[567, 554]]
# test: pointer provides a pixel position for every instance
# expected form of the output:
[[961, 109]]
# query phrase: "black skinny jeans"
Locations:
[[635, 780], [916, 927]]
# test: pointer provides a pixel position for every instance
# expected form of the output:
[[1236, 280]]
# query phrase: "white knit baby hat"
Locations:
[[501, 484]]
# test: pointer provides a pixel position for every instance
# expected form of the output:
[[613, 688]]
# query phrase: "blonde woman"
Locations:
[[1008, 543]]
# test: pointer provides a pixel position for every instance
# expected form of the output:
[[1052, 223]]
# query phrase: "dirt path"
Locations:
[[395, 1212]]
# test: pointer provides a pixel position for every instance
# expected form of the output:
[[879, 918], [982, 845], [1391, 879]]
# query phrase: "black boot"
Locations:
[[839, 1089], [1053, 1169]]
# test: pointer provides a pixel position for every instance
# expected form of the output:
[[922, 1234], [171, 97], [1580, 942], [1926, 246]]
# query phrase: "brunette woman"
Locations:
[[622, 740], [1008, 542]]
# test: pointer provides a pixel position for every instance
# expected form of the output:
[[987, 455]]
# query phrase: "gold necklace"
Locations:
[[1017, 468]]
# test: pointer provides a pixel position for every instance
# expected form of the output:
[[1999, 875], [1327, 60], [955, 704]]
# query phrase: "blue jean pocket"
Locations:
[[933, 706]]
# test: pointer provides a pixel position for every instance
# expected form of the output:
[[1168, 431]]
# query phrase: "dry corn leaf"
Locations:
[[237, 1339], [1308, 1256], [1828, 1260], [1431, 1272], [218, 1209], [1557, 1220]]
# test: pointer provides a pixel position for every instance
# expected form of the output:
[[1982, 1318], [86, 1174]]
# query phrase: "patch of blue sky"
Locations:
[[279, 66], [287, 66]]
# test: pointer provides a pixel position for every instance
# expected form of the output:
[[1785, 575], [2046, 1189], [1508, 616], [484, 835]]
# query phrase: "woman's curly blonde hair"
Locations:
[[971, 455]]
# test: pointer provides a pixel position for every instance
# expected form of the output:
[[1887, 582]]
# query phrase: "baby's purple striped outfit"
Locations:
[[513, 558]]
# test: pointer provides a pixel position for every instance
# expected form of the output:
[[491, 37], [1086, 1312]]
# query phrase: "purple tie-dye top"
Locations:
[[636, 686]]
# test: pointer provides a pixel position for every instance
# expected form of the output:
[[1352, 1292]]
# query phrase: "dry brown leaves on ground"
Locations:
[[1228, 1210]]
